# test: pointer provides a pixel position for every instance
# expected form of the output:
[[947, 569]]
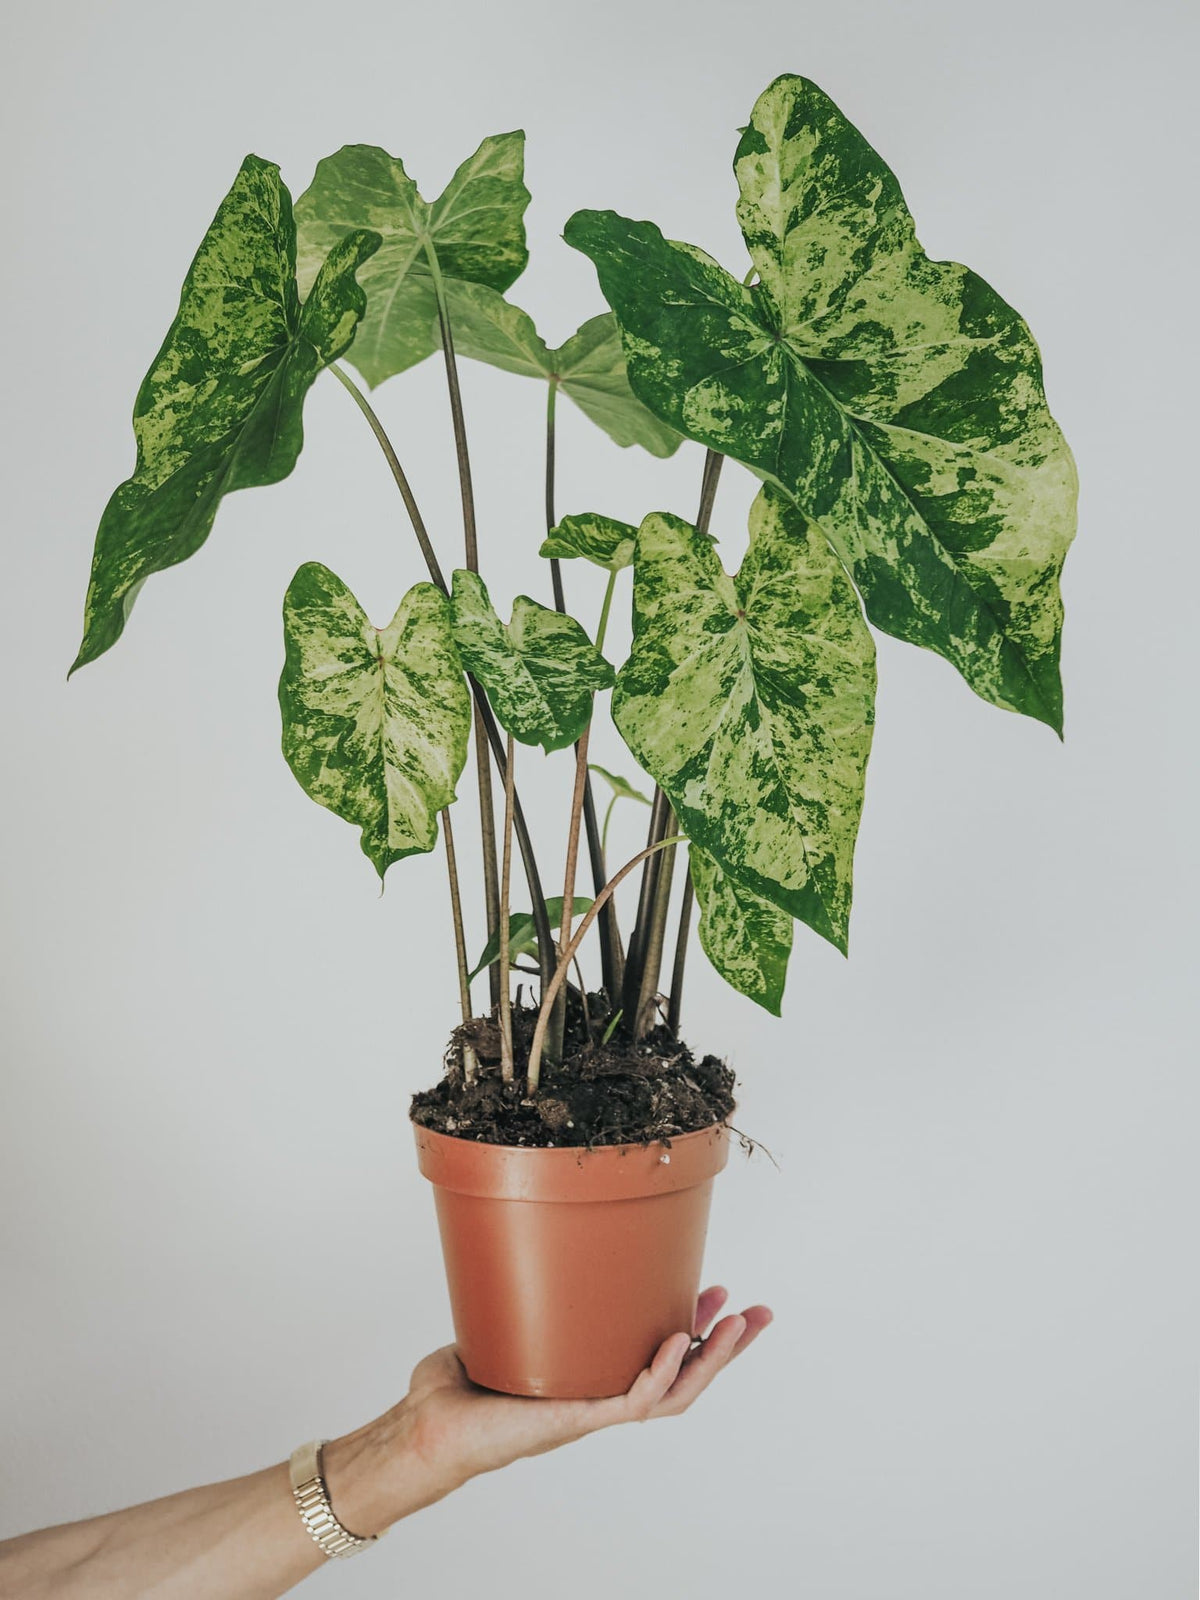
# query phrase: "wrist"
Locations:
[[379, 1473]]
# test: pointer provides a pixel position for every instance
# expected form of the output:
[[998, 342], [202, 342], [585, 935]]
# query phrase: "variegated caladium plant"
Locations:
[[911, 477]]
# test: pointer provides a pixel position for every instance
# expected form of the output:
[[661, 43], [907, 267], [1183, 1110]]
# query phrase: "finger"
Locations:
[[702, 1366], [647, 1389], [756, 1319], [709, 1303]]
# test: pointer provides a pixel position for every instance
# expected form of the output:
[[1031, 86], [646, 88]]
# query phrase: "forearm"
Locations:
[[242, 1540]]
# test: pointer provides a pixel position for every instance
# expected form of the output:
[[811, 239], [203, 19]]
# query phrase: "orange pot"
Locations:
[[567, 1268]]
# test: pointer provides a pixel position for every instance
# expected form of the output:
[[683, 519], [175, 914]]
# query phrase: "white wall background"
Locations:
[[978, 1240]]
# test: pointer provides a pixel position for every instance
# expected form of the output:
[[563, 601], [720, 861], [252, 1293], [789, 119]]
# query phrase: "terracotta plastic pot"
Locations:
[[568, 1268]]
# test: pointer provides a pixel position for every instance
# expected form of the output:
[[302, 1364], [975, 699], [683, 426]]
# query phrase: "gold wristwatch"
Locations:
[[312, 1502]]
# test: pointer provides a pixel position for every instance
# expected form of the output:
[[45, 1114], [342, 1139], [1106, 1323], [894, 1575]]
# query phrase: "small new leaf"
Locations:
[[475, 232], [375, 721], [896, 399], [522, 936], [589, 368], [751, 702], [602, 540], [747, 939], [540, 670], [621, 787], [221, 407]]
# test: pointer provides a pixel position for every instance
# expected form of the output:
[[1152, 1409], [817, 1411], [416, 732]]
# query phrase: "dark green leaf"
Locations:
[[522, 936], [747, 939], [375, 721], [898, 400], [475, 231], [751, 701], [540, 670], [220, 409]]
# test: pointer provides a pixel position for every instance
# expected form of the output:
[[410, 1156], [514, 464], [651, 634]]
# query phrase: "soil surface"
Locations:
[[614, 1093]]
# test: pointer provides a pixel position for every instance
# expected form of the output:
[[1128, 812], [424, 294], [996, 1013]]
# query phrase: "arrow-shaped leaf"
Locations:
[[522, 935], [540, 670], [602, 540], [897, 399], [751, 701], [589, 367], [375, 721], [747, 939], [475, 231], [221, 407]]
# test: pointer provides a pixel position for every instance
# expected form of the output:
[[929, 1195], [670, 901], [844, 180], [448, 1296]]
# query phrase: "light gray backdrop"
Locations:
[[977, 1238]]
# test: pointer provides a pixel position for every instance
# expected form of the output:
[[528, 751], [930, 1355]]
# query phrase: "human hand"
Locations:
[[447, 1430]]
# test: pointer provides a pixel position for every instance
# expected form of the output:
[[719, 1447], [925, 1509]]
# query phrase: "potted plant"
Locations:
[[892, 407]]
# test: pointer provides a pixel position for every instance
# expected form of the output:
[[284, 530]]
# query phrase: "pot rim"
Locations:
[[571, 1172]]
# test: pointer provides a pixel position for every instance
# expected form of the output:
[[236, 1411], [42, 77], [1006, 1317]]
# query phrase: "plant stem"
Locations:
[[470, 1063], [608, 811], [560, 603], [602, 625], [675, 1003], [635, 966], [393, 461], [483, 769], [558, 1022], [612, 957], [568, 955], [482, 709], [645, 949], [507, 1069], [460, 943]]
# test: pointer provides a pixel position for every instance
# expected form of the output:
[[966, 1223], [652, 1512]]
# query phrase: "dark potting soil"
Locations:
[[602, 1093]]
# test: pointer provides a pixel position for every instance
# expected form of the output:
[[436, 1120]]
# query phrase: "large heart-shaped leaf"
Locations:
[[375, 720], [540, 670], [751, 702], [522, 933], [221, 407], [897, 399], [747, 939], [475, 232], [602, 540], [589, 367]]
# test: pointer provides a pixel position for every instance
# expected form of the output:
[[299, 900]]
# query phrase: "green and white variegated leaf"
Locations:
[[475, 231], [589, 367], [540, 670], [751, 702], [375, 720], [220, 409], [898, 400], [621, 787], [522, 934], [747, 939], [602, 540]]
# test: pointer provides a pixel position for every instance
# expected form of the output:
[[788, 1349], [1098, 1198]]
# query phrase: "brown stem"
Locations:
[[393, 461], [655, 939], [612, 956], [675, 1004], [470, 1062], [635, 960], [645, 951], [568, 955], [541, 920], [558, 1021], [507, 1069], [483, 768]]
